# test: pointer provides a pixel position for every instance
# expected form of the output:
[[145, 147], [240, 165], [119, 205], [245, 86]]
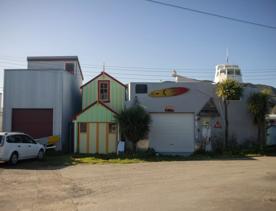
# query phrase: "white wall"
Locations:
[[240, 121]]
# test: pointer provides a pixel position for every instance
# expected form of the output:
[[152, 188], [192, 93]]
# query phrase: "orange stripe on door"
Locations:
[[78, 143], [106, 136], [87, 137], [97, 137]]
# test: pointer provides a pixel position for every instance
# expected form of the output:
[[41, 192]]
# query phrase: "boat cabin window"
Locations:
[[230, 72], [141, 89], [222, 72]]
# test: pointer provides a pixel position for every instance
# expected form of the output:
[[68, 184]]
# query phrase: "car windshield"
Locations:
[[1, 140]]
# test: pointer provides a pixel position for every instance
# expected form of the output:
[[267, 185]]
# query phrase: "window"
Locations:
[[141, 88], [103, 91], [83, 127], [230, 72], [238, 72], [14, 139], [70, 67], [27, 139], [222, 72], [112, 128], [1, 140]]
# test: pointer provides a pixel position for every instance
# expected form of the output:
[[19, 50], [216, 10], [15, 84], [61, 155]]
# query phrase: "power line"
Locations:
[[268, 74], [199, 70], [139, 68], [146, 76], [211, 14]]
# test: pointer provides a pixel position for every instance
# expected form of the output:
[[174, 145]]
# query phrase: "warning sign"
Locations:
[[217, 124]]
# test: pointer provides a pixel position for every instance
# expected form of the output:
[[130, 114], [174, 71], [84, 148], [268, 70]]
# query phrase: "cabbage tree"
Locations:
[[258, 107], [134, 123], [228, 90]]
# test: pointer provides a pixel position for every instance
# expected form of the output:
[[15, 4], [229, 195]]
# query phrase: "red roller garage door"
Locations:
[[35, 122]]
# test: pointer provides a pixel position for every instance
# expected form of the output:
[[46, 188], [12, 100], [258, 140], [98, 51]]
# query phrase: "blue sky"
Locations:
[[141, 41]]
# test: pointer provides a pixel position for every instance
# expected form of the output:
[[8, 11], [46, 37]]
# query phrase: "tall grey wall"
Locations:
[[71, 100], [55, 65], [240, 120], [33, 89]]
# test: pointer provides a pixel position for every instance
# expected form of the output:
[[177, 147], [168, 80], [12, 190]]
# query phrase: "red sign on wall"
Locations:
[[169, 108], [217, 125]]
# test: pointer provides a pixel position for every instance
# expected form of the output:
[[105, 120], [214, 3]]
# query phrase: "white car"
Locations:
[[16, 146]]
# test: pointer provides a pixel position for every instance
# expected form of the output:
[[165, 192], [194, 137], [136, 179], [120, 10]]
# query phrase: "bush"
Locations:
[[233, 146], [217, 143], [250, 146], [134, 124]]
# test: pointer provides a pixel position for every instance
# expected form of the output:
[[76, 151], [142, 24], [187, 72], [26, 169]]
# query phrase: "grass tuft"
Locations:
[[55, 159]]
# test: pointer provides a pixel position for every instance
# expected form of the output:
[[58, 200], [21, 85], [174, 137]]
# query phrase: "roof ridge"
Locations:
[[91, 105], [101, 73]]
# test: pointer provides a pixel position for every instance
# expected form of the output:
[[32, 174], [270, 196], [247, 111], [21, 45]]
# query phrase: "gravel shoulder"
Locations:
[[176, 185]]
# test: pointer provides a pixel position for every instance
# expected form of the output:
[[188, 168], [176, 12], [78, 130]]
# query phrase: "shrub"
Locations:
[[134, 123], [217, 143]]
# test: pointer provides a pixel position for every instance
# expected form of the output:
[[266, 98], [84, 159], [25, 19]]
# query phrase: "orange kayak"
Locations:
[[169, 92]]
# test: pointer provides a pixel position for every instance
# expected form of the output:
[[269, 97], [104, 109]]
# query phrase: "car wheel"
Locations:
[[40, 155], [14, 158]]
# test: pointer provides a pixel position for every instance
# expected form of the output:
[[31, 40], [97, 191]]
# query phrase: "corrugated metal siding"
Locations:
[[54, 89], [117, 94], [33, 89], [96, 113], [71, 105]]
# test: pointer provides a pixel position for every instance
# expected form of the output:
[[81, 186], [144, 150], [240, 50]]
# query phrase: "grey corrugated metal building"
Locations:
[[42, 99], [180, 122]]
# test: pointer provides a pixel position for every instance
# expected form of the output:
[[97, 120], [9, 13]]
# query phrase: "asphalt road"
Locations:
[[184, 185]]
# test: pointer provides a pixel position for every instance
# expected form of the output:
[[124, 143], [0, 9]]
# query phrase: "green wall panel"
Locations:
[[96, 113], [117, 94]]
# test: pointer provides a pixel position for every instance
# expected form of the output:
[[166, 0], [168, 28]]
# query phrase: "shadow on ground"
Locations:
[[54, 160], [50, 162]]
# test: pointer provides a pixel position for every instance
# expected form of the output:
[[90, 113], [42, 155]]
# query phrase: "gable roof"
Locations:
[[103, 73], [55, 58], [91, 105], [209, 108]]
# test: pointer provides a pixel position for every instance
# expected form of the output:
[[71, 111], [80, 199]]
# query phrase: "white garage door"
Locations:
[[172, 132]]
